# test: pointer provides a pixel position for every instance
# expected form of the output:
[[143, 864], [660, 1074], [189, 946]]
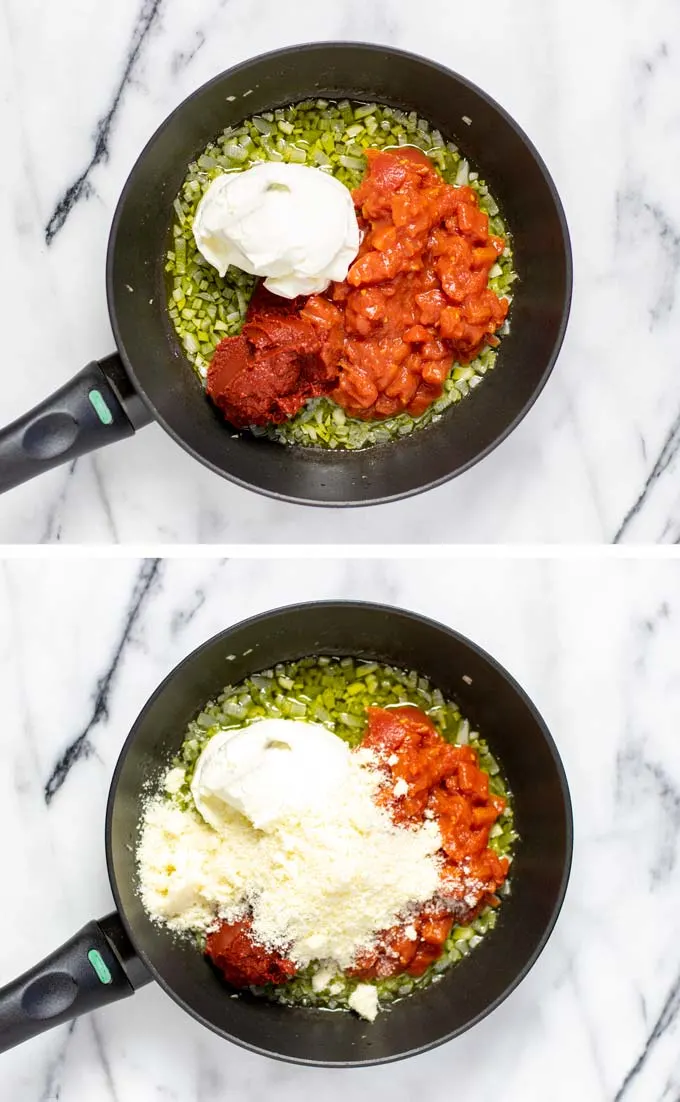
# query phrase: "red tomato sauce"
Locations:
[[382, 342], [446, 784]]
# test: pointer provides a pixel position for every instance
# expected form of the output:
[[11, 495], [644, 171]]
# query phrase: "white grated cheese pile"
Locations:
[[320, 883]]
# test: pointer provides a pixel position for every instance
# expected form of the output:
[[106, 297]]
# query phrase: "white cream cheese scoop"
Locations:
[[269, 771], [294, 224]]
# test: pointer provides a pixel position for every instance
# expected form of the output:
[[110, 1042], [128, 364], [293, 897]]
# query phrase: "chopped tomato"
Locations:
[[426, 245], [445, 783], [411, 947]]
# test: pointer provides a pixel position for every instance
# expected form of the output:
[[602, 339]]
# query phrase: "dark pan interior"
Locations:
[[520, 183], [515, 732]]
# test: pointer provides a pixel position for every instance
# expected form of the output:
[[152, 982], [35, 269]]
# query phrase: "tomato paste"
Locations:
[[267, 373], [244, 962], [415, 300]]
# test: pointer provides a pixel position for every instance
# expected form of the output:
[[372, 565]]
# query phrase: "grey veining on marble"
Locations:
[[595, 644], [82, 88]]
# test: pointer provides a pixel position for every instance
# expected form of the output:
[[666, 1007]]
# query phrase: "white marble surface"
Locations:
[[83, 85], [83, 644]]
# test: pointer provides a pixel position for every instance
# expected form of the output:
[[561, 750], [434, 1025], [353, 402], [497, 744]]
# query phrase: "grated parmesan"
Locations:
[[364, 1000], [320, 885], [174, 779], [322, 979]]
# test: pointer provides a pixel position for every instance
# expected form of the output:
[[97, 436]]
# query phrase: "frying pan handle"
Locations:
[[96, 407], [96, 966]]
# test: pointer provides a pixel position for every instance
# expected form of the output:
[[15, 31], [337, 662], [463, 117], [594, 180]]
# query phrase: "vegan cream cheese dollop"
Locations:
[[294, 224], [269, 771]]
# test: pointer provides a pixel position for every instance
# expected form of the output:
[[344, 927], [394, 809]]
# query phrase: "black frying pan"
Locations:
[[132, 950], [150, 377]]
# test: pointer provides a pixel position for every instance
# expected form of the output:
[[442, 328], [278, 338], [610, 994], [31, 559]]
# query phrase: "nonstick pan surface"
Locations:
[[134, 950], [150, 377]]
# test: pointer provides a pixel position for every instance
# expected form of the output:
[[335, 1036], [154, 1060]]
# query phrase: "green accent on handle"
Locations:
[[100, 407], [99, 964]]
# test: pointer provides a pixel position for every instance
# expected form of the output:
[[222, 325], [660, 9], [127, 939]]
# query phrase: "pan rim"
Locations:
[[379, 608], [315, 502]]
